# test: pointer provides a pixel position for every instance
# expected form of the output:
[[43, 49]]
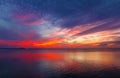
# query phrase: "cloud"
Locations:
[[108, 26], [71, 21], [38, 22], [74, 12]]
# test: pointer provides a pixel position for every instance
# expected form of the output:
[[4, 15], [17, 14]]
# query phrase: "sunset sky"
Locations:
[[60, 23]]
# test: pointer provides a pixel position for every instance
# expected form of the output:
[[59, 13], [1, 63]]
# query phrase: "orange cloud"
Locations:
[[47, 43]]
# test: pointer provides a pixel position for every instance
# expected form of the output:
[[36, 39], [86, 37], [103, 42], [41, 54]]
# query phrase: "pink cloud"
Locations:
[[29, 19], [23, 17], [35, 22]]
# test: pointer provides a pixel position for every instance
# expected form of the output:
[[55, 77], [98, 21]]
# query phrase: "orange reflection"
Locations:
[[77, 61], [80, 60]]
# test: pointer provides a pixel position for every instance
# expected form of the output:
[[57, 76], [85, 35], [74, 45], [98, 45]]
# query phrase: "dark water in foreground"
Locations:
[[20, 63]]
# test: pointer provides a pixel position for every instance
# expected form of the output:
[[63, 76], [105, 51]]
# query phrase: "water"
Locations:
[[20, 63]]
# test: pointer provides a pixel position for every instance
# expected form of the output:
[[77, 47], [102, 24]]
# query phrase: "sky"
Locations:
[[60, 23]]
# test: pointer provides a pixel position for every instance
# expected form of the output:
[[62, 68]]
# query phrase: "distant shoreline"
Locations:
[[112, 49]]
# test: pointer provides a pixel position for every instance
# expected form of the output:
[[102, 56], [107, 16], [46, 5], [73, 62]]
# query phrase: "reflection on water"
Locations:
[[59, 63]]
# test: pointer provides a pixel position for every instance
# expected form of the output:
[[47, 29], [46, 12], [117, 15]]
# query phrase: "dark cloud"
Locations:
[[108, 26], [73, 12], [9, 35], [114, 43]]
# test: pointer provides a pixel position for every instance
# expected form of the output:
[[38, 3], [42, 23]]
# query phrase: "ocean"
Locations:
[[59, 63]]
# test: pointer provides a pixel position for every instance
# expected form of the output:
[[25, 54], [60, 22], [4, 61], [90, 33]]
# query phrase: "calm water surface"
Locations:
[[20, 63]]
